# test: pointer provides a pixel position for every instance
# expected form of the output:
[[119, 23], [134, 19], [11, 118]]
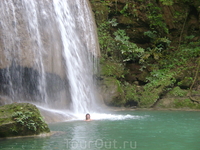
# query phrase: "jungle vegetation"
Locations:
[[151, 49]]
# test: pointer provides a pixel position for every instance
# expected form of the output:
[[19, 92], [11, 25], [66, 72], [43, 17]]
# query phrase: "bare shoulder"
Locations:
[[88, 120]]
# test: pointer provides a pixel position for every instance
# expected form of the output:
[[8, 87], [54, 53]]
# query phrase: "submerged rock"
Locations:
[[21, 119]]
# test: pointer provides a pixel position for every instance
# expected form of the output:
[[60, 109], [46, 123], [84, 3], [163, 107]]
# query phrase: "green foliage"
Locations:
[[187, 81], [14, 129], [105, 2], [113, 22], [120, 87], [167, 2], [130, 51], [110, 68], [164, 77], [156, 39], [129, 9], [189, 37], [186, 1], [140, 96], [177, 91], [185, 103], [151, 34], [130, 92], [117, 47], [27, 119], [159, 44], [193, 50], [156, 19], [148, 97], [177, 16], [105, 39], [158, 82], [134, 10], [164, 62], [124, 10], [179, 59]]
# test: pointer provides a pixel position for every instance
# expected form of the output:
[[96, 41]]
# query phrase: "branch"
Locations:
[[195, 78], [180, 38]]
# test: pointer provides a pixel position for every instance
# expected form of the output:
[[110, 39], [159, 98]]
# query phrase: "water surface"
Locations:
[[141, 130]]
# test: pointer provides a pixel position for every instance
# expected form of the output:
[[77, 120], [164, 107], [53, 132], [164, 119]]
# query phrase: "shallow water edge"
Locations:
[[149, 109], [30, 136]]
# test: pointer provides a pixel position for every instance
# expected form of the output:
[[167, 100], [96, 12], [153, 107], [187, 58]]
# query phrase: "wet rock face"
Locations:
[[24, 39], [23, 83], [32, 67], [21, 119]]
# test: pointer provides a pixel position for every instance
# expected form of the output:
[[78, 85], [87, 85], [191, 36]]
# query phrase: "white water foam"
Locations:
[[108, 116], [70, 116]]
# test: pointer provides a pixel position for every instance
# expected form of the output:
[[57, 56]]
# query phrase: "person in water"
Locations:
[[87, 117]]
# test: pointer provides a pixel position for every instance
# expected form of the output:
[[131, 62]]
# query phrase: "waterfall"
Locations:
[[48, 53]]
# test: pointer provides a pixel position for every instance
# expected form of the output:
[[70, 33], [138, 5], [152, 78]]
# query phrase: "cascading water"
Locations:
[[78, 60], [47, 53]]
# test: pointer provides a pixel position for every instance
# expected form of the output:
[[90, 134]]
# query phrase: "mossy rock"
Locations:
[[177, 92], [111, 90], [166, 103], [112, 69], [21, 119], [186, 103], [130, 95], [186, 82]]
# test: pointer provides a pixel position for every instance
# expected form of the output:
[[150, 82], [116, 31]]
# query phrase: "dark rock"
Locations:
[[135, 73], [25, 82]]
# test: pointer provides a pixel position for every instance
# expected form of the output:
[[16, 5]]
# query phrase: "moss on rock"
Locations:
[[21, 119], [177, 92], [112, 91], [185, 103]]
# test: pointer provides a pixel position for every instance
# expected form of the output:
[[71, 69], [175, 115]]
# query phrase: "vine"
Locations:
[[195, 79]]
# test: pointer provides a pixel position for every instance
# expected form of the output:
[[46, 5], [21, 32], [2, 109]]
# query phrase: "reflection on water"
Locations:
[[84, 135]]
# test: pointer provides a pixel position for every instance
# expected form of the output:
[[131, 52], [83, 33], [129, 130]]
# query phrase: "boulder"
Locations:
[[21, 119], [111, 92]]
